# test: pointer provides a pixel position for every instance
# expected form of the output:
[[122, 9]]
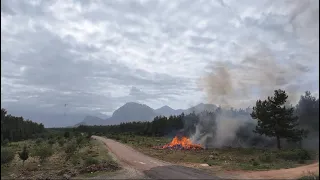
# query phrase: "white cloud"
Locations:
[[91, 53]]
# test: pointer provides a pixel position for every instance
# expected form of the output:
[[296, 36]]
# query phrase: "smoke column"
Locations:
[[258, 71]]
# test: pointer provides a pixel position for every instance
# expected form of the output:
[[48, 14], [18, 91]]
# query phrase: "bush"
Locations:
[[267, 158], [90, 160], [7, 155], [79, 140], [66, 134], [5, 142], [43, 152], [61, 142], [294, 155], [51, 141], [70, 148], [24, 155], [39, 141]]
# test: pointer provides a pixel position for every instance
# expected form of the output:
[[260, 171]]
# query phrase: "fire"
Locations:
[[182, 143]]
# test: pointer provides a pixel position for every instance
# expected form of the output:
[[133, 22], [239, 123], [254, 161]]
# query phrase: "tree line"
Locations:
[[273, 118], [16, 128]]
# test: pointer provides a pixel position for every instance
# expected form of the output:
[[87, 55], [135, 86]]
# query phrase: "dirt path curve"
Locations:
[[153, 168]]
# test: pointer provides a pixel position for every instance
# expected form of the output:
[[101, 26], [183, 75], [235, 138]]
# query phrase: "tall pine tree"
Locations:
[[275, 119]]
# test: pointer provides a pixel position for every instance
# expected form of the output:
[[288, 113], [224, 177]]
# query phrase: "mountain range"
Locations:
[[132, 111]]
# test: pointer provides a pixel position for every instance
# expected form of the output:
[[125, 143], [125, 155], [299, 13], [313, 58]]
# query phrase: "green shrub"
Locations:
[[51, 141], [70, 148], [66, 134], [24, 155], [294, 155], [79, 140], [7, 155], [255, 163], [90, 160], [43, 152], [61, 142]]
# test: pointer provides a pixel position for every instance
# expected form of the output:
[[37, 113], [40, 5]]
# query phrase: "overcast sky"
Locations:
[[97, 55]]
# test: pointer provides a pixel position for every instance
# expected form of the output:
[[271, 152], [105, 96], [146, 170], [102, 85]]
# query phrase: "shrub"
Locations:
[[89, 135], [294, 155], [70, 150], [267, 158], [51, 141], [39, 141], [24, 155], [61, 142], [43, 152], [66, 134], [79, 140], [5, 142], [90, 160], [7, 155]]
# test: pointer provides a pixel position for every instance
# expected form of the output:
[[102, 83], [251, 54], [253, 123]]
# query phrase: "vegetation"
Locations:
[[43, 152], [90, 157], [17, 129], [275, 119], [7, 155], [24, 155]]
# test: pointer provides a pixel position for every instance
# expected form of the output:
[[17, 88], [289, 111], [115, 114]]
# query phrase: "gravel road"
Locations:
[[151, 167]]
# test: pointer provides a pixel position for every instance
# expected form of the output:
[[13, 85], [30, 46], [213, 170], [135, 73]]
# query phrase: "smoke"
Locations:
[[256, 73]]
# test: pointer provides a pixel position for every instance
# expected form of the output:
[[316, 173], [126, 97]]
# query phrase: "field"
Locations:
[[225, 158], [57, 158]]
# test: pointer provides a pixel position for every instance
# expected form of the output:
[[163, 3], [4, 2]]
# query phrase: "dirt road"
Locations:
[[153, 168]]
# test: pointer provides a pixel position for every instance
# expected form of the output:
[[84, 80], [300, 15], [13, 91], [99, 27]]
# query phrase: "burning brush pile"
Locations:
[[180, 143]]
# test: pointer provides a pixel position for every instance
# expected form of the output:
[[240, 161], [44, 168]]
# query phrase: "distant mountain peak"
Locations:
[[166, 108]]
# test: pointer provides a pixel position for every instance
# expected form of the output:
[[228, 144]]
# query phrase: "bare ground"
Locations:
[[292, 173]]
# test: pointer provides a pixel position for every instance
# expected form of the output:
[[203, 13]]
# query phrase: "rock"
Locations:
[[205, 165], [211, 156]]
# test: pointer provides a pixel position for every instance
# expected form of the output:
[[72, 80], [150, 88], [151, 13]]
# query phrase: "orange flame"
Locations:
[[184, 142]]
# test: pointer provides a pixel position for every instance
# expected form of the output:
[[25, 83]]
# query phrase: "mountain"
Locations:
[[91, 121], [201, 107], [167, 111], [132, 112]]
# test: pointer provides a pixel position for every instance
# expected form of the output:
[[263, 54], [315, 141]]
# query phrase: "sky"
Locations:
[[81, 57]]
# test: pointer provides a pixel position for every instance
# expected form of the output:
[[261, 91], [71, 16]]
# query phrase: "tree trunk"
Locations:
[[278, 142], [22, 163]]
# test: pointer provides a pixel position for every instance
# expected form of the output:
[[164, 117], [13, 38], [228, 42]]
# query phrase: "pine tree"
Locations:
[[24, 155], [275, 119]]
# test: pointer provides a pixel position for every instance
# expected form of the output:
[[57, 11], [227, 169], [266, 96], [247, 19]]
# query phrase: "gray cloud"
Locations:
[[97, 55]]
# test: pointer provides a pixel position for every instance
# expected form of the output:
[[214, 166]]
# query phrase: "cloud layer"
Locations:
[[97, 55]]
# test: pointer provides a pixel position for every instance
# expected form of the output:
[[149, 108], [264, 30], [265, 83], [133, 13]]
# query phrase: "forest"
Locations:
[[17, 128]]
